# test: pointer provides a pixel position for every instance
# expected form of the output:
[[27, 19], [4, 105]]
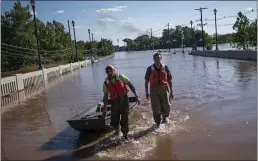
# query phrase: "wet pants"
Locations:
[[120, 107], [160, 102]]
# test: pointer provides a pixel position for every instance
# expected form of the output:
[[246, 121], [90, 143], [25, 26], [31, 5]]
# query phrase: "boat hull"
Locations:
[[92, 124]]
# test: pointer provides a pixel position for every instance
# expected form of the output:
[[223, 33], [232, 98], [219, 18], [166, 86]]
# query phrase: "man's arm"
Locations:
[[127, 82], [147, 75], [169, 77], [105, 97], [105, 100], [130, 85]]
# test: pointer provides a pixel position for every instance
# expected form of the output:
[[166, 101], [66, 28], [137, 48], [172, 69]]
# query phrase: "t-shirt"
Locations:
[[147, 75], [122, 77]]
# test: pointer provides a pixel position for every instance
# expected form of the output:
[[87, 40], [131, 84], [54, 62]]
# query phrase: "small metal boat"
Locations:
[[92, 118]]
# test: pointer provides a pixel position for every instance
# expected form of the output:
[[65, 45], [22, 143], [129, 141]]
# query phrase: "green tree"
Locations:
[[55, 43], [17, 30], [252, 32], [241, 26], [171, 40]]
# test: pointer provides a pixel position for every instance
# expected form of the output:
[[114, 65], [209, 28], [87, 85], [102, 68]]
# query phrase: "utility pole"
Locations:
[[89, 39], [191, 22], [151, 39], [33, 5], [92, 47], [168, 39], [73, 23], [182, 38], [203, 41], [103, 46], [89, 35], [70, 40], [215, 13]]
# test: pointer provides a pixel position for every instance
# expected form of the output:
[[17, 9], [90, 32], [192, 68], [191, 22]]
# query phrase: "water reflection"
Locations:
[[204, 66], [194, 63], [218, 82], [217, 63], [183, 55], [33, 115], [245, 68], [18, 98], [245, 71]]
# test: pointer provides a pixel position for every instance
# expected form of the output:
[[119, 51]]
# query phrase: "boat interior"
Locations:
[[96, 111]]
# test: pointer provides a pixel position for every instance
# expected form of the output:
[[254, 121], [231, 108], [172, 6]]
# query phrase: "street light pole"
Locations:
[[73, 23], [89, 38], [216, 33], [183, 42], [70, 39], [32, 2], [191, 22], [168, 38], [89, 35]]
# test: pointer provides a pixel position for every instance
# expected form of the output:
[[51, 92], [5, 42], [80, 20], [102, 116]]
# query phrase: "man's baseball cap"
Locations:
[[157, 54], [110, 67]]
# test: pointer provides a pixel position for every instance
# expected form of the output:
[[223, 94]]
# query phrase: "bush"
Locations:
[[209, 46]]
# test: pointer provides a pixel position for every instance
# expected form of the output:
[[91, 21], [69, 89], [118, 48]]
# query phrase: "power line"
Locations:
[[221, 25], [4, 53], [232, 16], [213, 4], [29, 52], [18, 47], [34, 49], [29, 56], [16, 50]]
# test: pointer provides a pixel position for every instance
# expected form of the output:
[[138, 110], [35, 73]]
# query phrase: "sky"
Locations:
[[128, 19]]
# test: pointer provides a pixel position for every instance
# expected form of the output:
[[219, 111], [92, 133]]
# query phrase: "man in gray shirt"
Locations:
[[161, 92]]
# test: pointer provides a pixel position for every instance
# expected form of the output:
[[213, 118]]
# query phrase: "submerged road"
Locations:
[[213, 115]]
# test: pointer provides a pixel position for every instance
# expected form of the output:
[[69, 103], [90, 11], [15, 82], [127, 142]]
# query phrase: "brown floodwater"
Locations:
[[213, 114]]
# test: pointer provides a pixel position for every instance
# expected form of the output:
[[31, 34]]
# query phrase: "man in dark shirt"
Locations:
[[161, 92]]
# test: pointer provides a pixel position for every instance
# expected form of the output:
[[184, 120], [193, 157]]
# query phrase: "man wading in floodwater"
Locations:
[[160, 78], [115, 85]]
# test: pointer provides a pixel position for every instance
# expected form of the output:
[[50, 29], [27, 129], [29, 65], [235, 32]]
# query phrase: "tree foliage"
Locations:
[[18, 30], [171, 40], [245, 36], [246, 32], [222, 38]]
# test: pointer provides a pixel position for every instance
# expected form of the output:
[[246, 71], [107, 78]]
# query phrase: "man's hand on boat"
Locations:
[[133, 90], [104, 112], [138, 100]]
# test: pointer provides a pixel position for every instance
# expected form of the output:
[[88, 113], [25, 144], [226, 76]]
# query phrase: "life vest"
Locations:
[[116, 90], [158, 77]]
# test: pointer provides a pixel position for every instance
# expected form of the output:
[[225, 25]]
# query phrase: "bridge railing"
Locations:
[[18, 82]]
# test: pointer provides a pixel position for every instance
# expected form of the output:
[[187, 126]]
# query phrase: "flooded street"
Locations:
[[213, 114]]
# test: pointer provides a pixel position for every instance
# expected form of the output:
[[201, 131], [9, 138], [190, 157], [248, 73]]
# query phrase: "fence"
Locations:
[[19, 82], [12, 100]]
